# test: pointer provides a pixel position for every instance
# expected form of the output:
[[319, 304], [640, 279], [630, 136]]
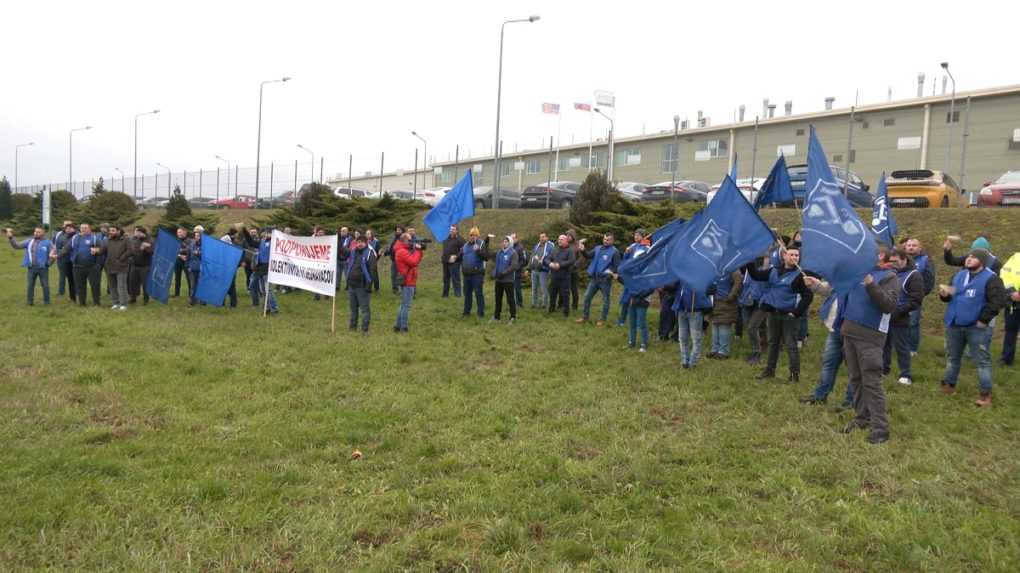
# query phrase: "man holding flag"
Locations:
[[786, 299], [456, 205]]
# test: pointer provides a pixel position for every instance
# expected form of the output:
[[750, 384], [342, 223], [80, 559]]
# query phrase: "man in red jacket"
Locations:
[[408, 257]]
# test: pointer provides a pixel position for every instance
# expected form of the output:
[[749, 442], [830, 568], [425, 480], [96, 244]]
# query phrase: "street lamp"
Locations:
[[609, 160], [70, 157], [499, 97], [258, 149], [169, 178], [425, 162], [134, 181], [313, 159], [227, 161], [16, 148], [952, 109], [117, 169]]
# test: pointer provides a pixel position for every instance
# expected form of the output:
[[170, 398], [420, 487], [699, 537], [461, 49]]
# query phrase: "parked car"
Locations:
[[508, 198], [239, 202], [432, 195], [560, 195], [856, 190], [1005, 191], [352, 193], [201, 202], [748, 188], [685, 192], [630, 190], [922, 188], [153, 202], [401, 195]]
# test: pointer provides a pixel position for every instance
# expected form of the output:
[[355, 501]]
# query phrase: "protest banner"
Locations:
[[307, 263]]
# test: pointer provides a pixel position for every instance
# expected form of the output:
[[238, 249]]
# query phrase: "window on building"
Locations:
[[446, 178], [788, 150], [800, 132], [506, 167], [598, 158], [865, 125], [712, 149], [567, 163], [907, 143], [837, 157], [955, 118], [533, 166], [889, 122], [1014, 142], [629, 156], [669, 158], [476, 169]]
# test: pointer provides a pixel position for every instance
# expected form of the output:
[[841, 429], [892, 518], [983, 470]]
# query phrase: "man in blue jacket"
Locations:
[[605, 260], [84, 251], [540, 254], [64, 267], [39, 254]]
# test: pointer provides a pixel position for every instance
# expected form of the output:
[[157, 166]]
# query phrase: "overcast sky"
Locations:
[[366, 73]]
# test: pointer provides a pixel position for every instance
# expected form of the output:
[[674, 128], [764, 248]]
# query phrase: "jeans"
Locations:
[[958, 337], [638, 318], [43, 274], [690, 331], [193, 277], [898, 341], [406, 296], [864, 363], [832, 357], [539, 289], [451, 274], [559, 293], [361, 302], [66, 273], [722, 335], [914, 331], [505, 289], [757, 328], [257, 288], [473, 285], [87, 275], [802, 329], [138, 283], [1012, 320], [625, 312], [603, 285], [783, 330], [119, 288]]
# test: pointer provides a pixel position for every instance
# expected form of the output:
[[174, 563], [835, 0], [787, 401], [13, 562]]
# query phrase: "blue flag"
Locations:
[[717, 240], [882, 221], [456, 205], [219, 268], [837, 245], [777, 188], [161, 271]]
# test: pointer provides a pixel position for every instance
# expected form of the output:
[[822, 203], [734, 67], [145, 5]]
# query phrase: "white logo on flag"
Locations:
[[823, 208], [710, 244]]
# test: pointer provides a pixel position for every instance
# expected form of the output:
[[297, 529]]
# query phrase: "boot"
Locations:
[[793, 378], [948, 389]]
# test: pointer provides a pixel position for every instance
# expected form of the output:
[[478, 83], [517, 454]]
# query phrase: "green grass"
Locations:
[[212, 440]]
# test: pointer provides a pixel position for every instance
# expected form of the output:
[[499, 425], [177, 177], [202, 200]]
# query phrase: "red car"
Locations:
[[1005, 191], [239, 202]]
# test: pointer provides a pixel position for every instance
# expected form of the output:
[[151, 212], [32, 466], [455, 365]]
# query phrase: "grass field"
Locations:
[[204, 439]]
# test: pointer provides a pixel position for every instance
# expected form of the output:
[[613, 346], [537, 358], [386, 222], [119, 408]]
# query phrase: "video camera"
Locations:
[[421, 242]]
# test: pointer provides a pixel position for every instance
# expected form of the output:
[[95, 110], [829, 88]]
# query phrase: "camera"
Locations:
[[421, 243]]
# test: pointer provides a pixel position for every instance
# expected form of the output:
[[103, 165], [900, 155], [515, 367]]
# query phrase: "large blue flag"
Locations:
[[456, 205], [161, 271], [717, 240], [882, 221], [219, 268], [837, 245], [777, 188]]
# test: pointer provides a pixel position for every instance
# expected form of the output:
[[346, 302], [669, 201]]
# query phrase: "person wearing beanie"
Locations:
[[974, 299], [983, 243], [503, 273]]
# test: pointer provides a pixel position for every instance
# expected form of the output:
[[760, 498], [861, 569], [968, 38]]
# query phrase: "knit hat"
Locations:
[[981, 255], [981, 243]]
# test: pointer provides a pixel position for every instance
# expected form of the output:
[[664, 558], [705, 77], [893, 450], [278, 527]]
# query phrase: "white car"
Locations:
[[631, 191], [432, 195], [747, 187]]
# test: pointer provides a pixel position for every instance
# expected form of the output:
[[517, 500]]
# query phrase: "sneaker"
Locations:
[[643, 348], [793, 378], [913, 354], [114, 307], [511, 321], [905, 381], [853, 426], [984, 401], [600, 323], [122, 307], [581, 321], [800, 344], [712, 355], [686, 366]]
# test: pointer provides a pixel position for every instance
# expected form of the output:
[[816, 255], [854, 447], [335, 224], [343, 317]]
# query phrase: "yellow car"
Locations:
[[922, 188]]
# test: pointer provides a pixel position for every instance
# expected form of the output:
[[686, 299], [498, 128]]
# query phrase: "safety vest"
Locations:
[[861, 310], [968, 297]]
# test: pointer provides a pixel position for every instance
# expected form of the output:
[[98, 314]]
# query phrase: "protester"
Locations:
[[343, 245], [574, 280], [994, 264], [911, 296], [636, 249], [637, 309], [926, 266], [754, 317], [65, 269], [195, 264], [181, 264], [117, 253], [231, 238], [832, 313], [561, 263], [975, 297], [540, 254], [250, 244], [361, 272], [83, 249], [473, 255], [453, 244], [865, 324], [726, 308], [503, 272], [408, 255], [522, 269], [39, 254], [391, 253], [691, 306], [605, 261], [373, 244], [1012, 320], [260, 278], [140, 248], [786, 299], [667, 317]]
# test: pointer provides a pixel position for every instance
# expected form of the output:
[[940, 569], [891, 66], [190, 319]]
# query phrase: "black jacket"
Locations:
[[140, 257], [566, 257], [356, 278], [451, 248], [798, 286], [914, 289]]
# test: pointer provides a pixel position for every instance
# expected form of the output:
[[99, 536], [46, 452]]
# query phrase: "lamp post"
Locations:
[[16, 148], [227, 161], [425, 160], [70, 157], [134, 181], [312, 153], [676, 156], [258, 148], [169, 179], [952, 110], [497, 152], [117, 169], [609, 160]]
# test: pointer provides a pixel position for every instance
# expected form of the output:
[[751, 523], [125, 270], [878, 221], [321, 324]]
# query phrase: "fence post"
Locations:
[[217, 183], [271, 165], [236, 172], [185, 185], [199, 183]]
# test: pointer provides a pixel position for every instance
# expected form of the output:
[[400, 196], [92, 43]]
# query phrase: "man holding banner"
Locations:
[[307, 263], [259, 285]]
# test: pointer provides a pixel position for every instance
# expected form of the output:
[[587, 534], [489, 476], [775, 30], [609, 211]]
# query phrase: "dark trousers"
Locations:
[[451, 275], [232, 292], [393, 275], [361, 303], [519, 287], [864, 363], [138, 283], [181, 267], [87, 274], [473, 286], [783, 329], [193, 277], [897, 340], [1012, 320], [508, 290], [757, 330], [66, 270], [667, 318], [43, 274], [574, 294], [559, 292]]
